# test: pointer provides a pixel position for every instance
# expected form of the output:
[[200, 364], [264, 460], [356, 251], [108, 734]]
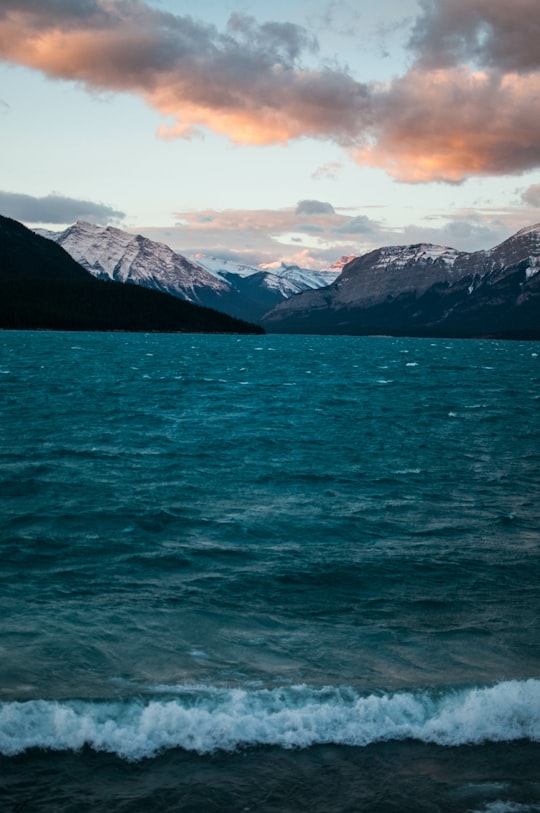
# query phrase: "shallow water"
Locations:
[[243, 560]]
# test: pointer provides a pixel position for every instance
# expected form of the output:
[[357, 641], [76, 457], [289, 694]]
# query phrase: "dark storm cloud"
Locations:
[[55, 209]]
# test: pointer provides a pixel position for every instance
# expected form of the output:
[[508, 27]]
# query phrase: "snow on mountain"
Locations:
[[425, 289], [218, 266], [534, 230], [390, 270], [43, 287], [306, 278], [283, 285], [110, 253], [301, 279], [240, 290]]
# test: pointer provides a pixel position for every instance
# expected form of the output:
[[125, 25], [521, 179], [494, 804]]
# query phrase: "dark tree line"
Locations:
[[42, 287]]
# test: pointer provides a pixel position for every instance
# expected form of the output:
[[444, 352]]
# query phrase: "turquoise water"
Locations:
[[269, 573]]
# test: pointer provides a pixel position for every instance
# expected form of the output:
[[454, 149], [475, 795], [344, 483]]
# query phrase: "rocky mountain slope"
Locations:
[[114, 254], [43, 287], [426, 290]]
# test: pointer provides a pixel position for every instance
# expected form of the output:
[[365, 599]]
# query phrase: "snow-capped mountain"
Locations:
[[299, 279], [219, 266], [425, 289], [305, 278], [110, 253], [243, 291], [263, 285]]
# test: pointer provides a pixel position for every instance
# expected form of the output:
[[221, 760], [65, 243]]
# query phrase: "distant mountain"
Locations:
[[219, 266], [257, 290], [42, 286], [426, 290], [296, 279], [307, 278]]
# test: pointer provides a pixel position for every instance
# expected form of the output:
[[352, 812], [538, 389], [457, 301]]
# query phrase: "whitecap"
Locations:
[[208, 719], [500, 806]]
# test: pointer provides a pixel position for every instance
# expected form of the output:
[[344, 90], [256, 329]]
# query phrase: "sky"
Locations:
[[294, 131]]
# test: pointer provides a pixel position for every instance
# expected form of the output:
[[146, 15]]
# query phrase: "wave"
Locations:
[[207, 719]]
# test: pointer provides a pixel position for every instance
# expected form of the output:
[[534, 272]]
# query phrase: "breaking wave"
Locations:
[[204, 720]]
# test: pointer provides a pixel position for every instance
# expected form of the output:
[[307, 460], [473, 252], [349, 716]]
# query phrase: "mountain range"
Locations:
[[426, 290], [241, 291], [415, 290], [42, 287]]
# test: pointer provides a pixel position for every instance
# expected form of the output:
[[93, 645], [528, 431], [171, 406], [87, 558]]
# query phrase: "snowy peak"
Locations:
[[390, 270], [297, 279], [522, 246], [306, 278], [219, 267], [107, 252], [529, 230], [406, 256]]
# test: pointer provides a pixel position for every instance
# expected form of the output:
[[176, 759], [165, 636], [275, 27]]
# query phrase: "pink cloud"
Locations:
[[448, 124], [443, 120]]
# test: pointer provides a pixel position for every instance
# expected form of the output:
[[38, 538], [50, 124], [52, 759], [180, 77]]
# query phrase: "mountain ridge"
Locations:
[[424, 289]]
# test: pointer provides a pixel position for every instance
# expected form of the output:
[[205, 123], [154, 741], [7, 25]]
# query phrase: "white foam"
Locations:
[[209, 719], [506, 807]]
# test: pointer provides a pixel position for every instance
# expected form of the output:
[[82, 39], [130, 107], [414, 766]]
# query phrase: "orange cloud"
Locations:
[[448, 124], [440, 121], [246, 84]]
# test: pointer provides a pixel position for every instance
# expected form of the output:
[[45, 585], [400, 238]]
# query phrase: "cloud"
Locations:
[[309, 227], [493, 34], [247, 82], [466, 230], [531, 196], [341, 17], [449, 124], [329, 170], [55, 209], [466, 106], [268, 236], [356, 225], [314, 207]]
